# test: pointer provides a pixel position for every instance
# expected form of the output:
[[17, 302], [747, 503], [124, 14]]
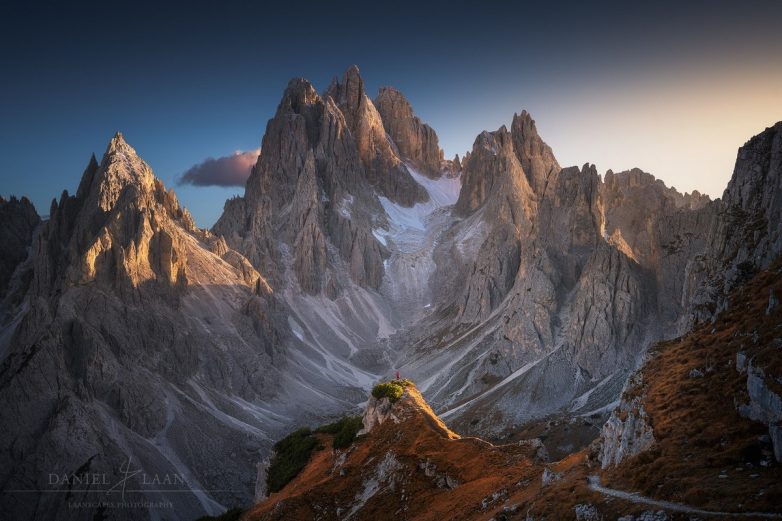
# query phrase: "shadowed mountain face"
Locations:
[[513, 291], [18, 220]]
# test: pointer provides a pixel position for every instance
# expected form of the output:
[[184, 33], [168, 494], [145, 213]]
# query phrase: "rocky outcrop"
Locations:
[[764, 405], [396, 464], [627, 433], [376, 413], [416, 141]]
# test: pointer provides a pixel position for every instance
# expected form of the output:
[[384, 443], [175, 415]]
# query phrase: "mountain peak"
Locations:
[[349, 93], [353, 72], [118, 144], [417, 142], [87, 177], [121, 166], [298, 94], [493, 172], [384, 168], [536, 157]]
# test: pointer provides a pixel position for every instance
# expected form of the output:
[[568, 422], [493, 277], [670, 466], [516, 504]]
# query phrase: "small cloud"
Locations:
[[230, 170]]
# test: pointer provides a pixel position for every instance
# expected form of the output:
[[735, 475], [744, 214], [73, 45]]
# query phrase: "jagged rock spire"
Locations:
[[493, 172], [87, 177], [384, 168], [534, 154], [417, 141], [120, 167]]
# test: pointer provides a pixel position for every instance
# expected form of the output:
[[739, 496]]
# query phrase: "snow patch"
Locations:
[[411, 236], [345, 206], [378, 233], [296, 327]]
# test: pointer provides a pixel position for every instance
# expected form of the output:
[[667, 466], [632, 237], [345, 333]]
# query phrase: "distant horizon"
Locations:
[[671, 89]]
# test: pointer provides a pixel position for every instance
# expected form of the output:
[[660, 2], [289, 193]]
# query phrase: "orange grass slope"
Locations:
[[410, 467], [705, 453]]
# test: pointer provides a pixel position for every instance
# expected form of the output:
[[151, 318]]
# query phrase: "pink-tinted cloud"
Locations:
[[230, 170]]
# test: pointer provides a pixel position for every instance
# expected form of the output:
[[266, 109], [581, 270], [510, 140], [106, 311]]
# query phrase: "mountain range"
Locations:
[[520, 296]]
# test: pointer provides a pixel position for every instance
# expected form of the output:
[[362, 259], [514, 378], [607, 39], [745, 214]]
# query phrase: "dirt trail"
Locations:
[[634, 497]]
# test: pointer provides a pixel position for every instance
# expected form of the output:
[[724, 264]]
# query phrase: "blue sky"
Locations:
[[671, 87]]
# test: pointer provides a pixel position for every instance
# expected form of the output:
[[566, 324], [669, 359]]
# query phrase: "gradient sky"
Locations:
[[671, 87]]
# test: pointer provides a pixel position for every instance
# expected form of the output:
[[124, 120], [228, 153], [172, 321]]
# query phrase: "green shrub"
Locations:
[[392, 390], [344, 430], [291, 455]]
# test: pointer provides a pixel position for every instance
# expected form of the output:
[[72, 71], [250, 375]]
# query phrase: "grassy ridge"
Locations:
[[293, 452]]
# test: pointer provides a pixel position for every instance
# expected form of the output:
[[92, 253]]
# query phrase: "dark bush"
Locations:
[[291, 455], [388, 390], [344, 430], [392, 390]]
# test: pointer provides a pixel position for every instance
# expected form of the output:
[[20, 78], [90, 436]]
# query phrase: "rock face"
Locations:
[[536, 158], [764, 406], [747, 236], [415, 140], [18, 220], [625, 434], [384, 167], [634, 204], [308, 198], [377, 412], [753, 199]]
